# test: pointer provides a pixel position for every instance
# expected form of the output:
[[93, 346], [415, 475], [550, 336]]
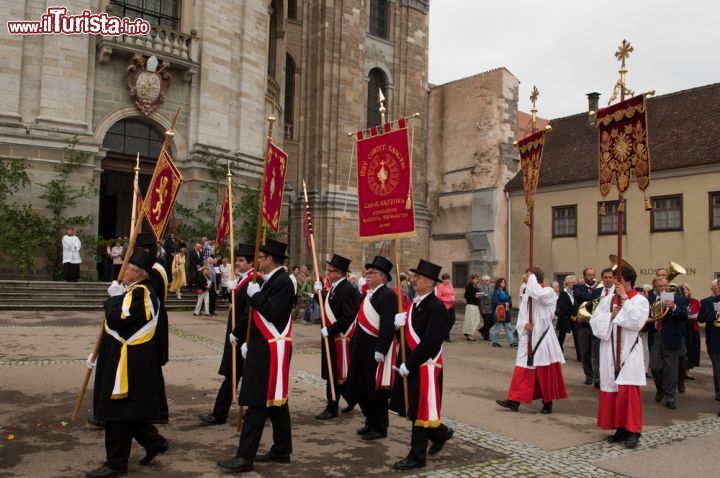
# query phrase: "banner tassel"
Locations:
[[601, 211], [648, 205]]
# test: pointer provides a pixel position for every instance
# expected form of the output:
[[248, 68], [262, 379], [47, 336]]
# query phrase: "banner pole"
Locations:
[[232, 274], [396, 258]]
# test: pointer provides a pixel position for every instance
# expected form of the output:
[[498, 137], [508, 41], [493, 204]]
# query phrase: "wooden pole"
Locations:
[[326, 343], [131, 246], [258, 237], [396, 258], [136, 187], [232, 274], [530, 266]]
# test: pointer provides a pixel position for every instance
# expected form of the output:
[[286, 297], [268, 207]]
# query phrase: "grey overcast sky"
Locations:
[[566, 47]]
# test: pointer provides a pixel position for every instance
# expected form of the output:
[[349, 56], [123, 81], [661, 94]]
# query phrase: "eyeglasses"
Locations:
[[262, 256], [331, 271]]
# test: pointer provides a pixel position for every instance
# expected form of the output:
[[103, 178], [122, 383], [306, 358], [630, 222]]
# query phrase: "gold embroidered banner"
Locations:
[[530, 157], [623, 145], [161, 194]]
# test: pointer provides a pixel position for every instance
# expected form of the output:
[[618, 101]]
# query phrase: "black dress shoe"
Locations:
[[159, 421], [681, 387], [326, 415], [438, 445], [658, 396], [237, 464], [409, 464], [671, 405], [620, 435], [512, 405], [597, 385], [363, 429], [495, 344], [152, 453], [373, 435], [547, 408], [210, 419], [96, 423], [588, 381], [273, 457], [348, 409], [104, 472], [632, 440]]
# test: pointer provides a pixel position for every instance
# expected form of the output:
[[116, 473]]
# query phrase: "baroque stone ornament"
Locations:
[[148, 82]]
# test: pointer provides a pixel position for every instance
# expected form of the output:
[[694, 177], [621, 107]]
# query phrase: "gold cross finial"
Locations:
[[534, 95], [624, 52], [533, 111]]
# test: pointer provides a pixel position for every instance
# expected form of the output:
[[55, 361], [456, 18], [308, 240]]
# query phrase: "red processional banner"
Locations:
[[223, 227], [273, 185], [385, 201], [623, 145], [162, 193], [530, 158]]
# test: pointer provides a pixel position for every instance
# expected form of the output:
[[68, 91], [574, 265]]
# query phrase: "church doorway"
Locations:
[[124, 140]]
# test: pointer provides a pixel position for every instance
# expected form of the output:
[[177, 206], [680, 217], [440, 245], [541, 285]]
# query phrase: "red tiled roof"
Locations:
[[684, 131]]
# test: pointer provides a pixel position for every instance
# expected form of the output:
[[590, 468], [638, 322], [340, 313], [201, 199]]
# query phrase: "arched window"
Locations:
[[376, 81], [132, 136], [165, 13], [272, 41], [379, 18], [289, 96], [292, 9]]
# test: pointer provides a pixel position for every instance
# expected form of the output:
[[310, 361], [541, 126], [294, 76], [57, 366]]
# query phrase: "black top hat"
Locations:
[[340, 262], [145, 239], [274, 248], [382, 264], [245, 250], [143, 259], [428, 269]]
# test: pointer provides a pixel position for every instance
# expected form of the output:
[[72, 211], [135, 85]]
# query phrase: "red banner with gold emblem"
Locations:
[[623, 145], [531, 149], [385, 202], [223, 227], [161, 194], [273, 185]]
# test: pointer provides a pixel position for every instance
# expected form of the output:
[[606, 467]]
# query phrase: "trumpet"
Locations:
[[587, 309], [658, 311]]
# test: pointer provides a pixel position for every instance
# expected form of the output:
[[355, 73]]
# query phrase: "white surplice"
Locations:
[[543, 305]]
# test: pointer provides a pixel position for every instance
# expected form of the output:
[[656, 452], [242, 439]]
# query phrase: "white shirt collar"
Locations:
[[420, 298], [268, 276], [334, 284]]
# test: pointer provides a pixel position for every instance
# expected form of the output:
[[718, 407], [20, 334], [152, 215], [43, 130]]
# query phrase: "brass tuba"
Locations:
[[674, 270]]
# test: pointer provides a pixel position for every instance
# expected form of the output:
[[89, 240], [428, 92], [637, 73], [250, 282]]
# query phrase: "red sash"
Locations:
[[280, 345], [369, 320], [248, 277], [342, 344], [429, 398]]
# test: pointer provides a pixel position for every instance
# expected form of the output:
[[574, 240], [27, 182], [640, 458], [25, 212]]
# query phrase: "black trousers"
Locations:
[[118, 440], [224, 398], [333, 406], [664, 365], [584, 346], [164, 412], [213, 299], [451, 321], [420, 437], [573, 328], [488, 322], [715, 360], [252, 429], [375, 411]]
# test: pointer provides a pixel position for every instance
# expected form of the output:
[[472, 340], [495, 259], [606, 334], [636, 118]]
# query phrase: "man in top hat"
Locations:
[[244, 268], [264, 387], [159, 281], [426, 323], [126, 381], [341, 307], [537, 374], [621, 316], [373, 350]]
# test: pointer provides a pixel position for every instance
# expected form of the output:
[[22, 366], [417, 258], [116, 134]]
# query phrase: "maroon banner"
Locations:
[[623, 145], [385, 202], [530, 149], [273, 185], [162, 193], [308, 229], [223, 227]]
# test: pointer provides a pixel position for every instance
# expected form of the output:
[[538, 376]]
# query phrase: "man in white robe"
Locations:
[[538, 373], [621, 317]]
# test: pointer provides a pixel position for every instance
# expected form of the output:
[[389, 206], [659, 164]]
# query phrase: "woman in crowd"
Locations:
[[178, 273], [446, 293], [306, 290], [116, 253], [224, 278], [472, 310], [501, 303], [203, 291], [692, 336]]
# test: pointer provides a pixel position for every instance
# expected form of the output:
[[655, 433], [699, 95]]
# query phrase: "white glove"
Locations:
[[243, 350], [232, 284], [233, 340], [317, 286], [89, 362], [379, 357], [402, 370], [324, 332], [116, 289], [253, 288], [400, 319]]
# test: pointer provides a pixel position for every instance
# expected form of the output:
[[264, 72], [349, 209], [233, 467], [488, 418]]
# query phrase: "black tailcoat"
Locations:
[[275, 303], [430, 322], [160, 286], [565, 309], [707, 316], [143, 400], [242, 304], [344, 302], [363, 367]]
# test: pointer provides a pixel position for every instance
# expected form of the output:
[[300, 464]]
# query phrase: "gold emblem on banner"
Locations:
[[383, 175]]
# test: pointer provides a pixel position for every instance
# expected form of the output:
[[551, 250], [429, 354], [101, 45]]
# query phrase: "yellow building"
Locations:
[[683, 226]]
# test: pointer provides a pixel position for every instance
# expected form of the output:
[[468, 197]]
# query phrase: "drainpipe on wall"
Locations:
[[509, 242]]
